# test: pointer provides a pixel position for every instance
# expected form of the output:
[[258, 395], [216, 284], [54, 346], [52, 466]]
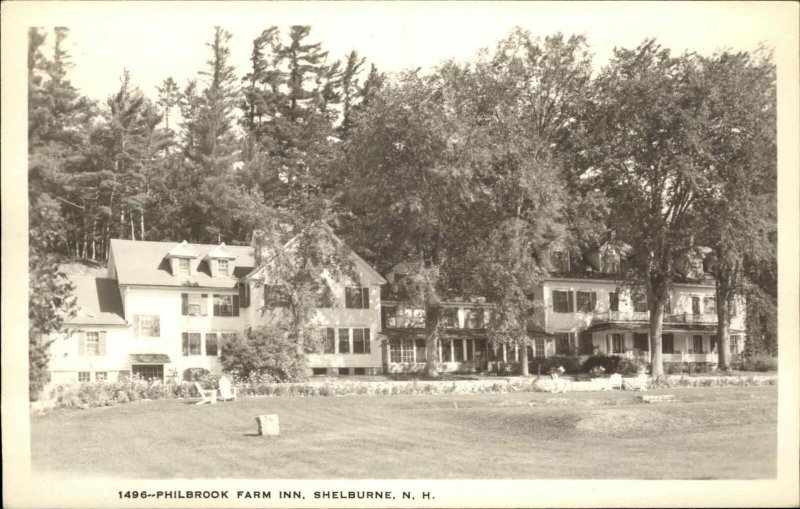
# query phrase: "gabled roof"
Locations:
[[221, 251], [183, 250], [145, 263], [364, 269], [98, 302]]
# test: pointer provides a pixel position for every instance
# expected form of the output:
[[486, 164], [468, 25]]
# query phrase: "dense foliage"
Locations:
[[470, 171]]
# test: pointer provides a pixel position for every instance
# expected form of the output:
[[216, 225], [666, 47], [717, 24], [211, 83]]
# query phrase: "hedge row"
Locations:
[[97, 394]]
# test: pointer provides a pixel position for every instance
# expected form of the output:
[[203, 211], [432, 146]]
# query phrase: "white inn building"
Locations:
[[165, 308]]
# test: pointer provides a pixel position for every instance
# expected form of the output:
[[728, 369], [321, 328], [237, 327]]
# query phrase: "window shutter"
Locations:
[[184, 304], [365, 298], [570, 302], [102, 346], [136, 325], [594, 301], [156, 326], [204, 304], [185, 343], [366, 341], [81, 344], [348, 297], [244, 294], [216, 305], [235, 305]]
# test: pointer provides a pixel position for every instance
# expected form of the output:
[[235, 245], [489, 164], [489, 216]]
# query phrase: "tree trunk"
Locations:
[[523, 360], [723, 332], [431, 340], [656, 323], [141, 220]]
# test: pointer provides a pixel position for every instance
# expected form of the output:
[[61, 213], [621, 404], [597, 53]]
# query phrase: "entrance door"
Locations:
[[149, 371]]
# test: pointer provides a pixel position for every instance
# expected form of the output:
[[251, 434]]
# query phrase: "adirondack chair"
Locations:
[[226, 391], [206, 395], [615, 381]]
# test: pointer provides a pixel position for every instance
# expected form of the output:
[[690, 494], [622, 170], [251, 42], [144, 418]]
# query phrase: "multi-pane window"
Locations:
[[562, 301], [559, 260], [361, 340], [92, 343], [447, 350], [668, 306], [710, 305], [222, 267], [697, 343], [84, 376], [695, 305], [473, 318], [667, 343], [586, 301], [183, 266], [101, 376], [613, 301], [330, 340], [148, 371], [226, 305], [148, 326], [194, 304], [191, 343], [562, 343], [712, 343], [212, 344], [641, 341], [736, 344], [389, 316], [450, 317], [408, 350], [344, 340], [639, 299], [356, 297], [538, 347], [617, 343]]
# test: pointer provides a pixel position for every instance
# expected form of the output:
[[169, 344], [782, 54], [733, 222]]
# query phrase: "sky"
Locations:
[[154, 41]]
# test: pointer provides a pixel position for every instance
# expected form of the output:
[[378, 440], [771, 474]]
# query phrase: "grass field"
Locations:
[[722, 433]]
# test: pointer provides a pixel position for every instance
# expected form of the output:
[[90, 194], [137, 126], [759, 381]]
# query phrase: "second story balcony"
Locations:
[[621, 316], [638, 319]]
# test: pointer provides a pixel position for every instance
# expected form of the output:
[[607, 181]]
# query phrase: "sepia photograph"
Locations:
[[357, 242]]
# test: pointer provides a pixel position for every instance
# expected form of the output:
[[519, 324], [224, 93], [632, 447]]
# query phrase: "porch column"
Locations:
[[505, 357], [464, 349], [440, 351], [452, 350]]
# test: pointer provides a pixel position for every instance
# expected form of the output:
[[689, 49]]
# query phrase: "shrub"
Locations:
[[194, 374], [543, 365], [267, 352], [760, 363], [612, 364]]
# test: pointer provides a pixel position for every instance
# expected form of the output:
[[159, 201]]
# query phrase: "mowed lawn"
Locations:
[[710, 433]]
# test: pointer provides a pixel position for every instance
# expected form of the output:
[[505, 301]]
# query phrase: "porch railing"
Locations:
[[622, 316], [691, 318]]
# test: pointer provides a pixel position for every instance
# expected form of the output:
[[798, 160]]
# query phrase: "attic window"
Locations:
[[559, 260], [183, 266], [611, 263], [222, 267]]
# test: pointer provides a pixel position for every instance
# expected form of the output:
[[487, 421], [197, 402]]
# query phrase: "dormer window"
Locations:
[[183, 260], [559, 260], [183, 266], [219, 261]]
